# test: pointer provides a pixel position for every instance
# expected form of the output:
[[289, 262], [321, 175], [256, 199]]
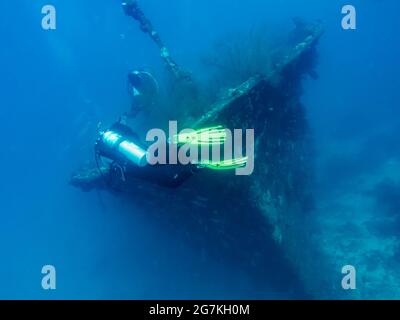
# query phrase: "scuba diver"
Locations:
[[122, 158], [127, 157], [143, 90]]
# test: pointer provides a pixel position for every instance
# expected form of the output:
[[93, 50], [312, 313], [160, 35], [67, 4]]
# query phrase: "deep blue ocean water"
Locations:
[[56, 86]]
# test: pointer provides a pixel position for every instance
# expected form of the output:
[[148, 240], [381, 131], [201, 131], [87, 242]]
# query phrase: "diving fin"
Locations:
[[224, 164], [207, 136]]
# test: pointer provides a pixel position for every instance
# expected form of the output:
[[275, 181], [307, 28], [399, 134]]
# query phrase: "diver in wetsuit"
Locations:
[[120, 145], [143, 90], [128, 157]]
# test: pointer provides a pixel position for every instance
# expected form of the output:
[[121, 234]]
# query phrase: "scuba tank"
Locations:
[[119, 144]]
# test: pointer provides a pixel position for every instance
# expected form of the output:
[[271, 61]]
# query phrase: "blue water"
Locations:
[[56, 86]]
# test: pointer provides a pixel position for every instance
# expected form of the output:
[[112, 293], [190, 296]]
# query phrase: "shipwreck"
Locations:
[[264, 225]]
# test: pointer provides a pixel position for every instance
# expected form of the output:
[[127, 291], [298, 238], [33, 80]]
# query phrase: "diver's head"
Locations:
[[144, 83], [130, 7], [135, 77]]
